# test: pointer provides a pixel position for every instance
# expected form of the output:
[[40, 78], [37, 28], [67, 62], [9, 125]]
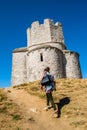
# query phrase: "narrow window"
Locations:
[[41, 57]]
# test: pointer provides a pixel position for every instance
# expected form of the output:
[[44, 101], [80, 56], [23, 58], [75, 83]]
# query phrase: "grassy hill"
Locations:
[[70, 97], [11, 116]]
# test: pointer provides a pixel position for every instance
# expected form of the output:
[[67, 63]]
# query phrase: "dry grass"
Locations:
[[32, 88], [11, 117], [70, 97]]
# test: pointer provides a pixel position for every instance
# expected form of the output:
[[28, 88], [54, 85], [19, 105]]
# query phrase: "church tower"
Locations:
[[45, 47]]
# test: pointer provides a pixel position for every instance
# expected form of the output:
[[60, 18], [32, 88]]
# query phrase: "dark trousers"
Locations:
[[50, 99]]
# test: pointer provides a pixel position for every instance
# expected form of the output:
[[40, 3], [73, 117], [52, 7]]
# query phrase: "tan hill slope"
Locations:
[[21, 107]]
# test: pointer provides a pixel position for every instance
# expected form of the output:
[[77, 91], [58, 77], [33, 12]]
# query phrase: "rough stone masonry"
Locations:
[[45, 47]]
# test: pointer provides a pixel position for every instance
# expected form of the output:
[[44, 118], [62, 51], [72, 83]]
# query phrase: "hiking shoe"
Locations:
[[52, 108], [46, 108], [55, 115], [56, 111]]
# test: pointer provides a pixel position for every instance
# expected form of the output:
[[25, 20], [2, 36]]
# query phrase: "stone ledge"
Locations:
[[33, 44], [44, 46], [69, 51], [24, 49]]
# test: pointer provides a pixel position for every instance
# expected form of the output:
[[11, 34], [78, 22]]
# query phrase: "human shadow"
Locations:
[[63, 101]]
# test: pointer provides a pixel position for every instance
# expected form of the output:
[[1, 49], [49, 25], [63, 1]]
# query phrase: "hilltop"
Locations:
[[21, 107]]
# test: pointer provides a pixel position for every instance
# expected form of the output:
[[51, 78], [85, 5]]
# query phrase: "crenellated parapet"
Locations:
[[43, 33]]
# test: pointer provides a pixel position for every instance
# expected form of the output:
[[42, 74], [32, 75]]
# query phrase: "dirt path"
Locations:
[[32, 107]]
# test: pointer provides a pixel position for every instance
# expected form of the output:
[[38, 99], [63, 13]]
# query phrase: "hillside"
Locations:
[[21, 107]]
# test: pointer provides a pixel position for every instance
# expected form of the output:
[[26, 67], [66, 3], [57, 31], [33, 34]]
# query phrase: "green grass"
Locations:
[[16, 117]]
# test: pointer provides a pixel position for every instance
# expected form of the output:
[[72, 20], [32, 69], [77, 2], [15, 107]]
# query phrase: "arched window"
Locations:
[[41, 57]]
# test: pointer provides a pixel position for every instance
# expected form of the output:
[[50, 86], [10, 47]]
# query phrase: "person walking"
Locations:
[[48, 89]]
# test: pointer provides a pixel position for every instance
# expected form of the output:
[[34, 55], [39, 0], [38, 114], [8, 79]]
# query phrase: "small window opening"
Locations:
[[41, 57]]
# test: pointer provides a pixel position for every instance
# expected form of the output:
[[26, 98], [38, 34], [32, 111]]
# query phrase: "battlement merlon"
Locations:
[[46, 32]]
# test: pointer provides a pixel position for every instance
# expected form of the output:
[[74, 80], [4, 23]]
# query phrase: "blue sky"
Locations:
[[17, 15]]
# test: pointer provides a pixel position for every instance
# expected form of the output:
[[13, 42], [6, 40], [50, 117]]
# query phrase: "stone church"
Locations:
[[45, 47]]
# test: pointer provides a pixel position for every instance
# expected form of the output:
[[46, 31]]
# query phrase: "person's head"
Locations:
[[47, 69]]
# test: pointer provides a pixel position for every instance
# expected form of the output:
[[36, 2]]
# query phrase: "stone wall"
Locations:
[[37, 60], [51, 44], [19, 72], [57, 33], [38, 33], [43, 33], [72, 64]]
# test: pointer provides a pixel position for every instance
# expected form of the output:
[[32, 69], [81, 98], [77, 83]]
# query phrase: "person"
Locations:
[[48, 90]]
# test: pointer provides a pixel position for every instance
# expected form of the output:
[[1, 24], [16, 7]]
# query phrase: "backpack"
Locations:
[[53, 83], [46, 80]]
